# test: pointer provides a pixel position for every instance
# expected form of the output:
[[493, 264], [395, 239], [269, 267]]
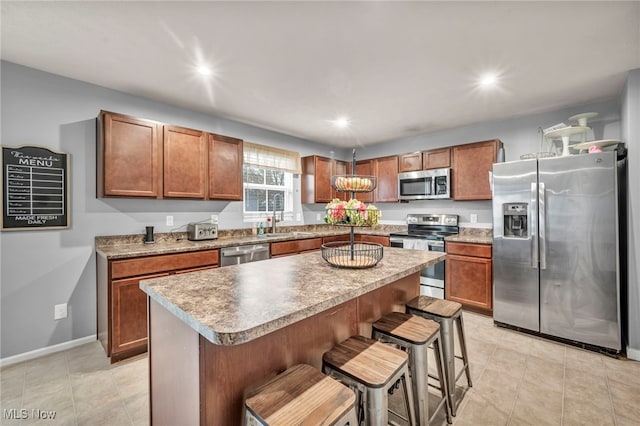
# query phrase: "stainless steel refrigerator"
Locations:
[[558, 247]]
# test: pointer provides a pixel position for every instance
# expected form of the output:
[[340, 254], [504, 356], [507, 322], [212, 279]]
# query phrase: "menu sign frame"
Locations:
[[35, 189]]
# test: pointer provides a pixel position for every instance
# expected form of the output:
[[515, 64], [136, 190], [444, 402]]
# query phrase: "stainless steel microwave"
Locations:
[[425, 184]]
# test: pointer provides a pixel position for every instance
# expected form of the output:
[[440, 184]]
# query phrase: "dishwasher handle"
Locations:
[[252, 249]]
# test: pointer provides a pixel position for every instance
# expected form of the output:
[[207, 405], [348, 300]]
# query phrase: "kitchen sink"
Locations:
[[289, 234]]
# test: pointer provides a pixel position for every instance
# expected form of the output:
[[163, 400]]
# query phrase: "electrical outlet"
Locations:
[[214, 219], [169, 220], [474, 218], [318, 216], [60, 311], [298, 217]]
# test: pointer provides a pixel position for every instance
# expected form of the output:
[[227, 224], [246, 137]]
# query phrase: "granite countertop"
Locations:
[[472, 235], [239, 303], [127, 246]]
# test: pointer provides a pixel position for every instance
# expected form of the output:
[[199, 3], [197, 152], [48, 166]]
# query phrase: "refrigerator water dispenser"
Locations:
[[515, 220]]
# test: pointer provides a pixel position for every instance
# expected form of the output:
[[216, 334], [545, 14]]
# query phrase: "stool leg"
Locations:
[[444, 389], [463, 349], [408, 397], [419, 375], [448, 353], [377, 407]]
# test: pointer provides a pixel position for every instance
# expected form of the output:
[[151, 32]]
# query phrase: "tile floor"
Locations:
[[517, 380]]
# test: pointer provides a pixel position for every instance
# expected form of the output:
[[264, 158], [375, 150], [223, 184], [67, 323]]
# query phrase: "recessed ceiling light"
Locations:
[[341, 122], [204, 70], [488, 80]]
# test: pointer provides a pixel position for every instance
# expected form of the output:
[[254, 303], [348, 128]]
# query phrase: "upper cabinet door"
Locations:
[[386, 170], [185, 162], [225, 168], [129, 157], [470, 171], [410, 162], [436, 158], [316, 179]]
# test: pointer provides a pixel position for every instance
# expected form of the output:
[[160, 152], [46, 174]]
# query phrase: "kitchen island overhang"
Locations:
[[213, 333]]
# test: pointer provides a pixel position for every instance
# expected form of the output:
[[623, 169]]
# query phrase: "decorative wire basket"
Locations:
[[354, 183], [343, 254]]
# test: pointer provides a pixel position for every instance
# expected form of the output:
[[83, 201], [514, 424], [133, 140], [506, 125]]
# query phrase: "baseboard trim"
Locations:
[[37, 353], [633, 353]]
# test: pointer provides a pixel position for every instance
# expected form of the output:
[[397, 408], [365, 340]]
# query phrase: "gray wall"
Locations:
[[630, 107], [44, 268]]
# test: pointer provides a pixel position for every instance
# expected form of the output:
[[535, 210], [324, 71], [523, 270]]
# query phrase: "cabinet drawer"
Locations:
[[297, 246], [335, 238], [166, 262], [468, 249], [380, 239]]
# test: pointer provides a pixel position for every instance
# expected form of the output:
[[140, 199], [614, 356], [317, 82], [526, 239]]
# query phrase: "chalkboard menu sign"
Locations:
[[35, 188]]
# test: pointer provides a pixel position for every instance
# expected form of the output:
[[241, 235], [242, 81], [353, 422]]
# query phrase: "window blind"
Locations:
[[267, 157]]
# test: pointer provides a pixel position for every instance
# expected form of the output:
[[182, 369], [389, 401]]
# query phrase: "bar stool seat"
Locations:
[[372, 369], [445, 312], [415, 334], [301, 395]]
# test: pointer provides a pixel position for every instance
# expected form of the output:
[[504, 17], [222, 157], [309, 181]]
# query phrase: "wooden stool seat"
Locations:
[[301, 395], [371, 363], [411, 328], [440, 307]]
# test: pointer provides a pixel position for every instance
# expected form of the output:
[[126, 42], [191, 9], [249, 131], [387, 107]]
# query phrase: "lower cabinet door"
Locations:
[[469, 281], [129, 314]]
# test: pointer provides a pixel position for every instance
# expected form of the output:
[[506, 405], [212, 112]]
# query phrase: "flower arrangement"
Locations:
[[351, 213]]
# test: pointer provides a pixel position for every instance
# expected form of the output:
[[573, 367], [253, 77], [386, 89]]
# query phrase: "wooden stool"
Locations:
[[373, 369], [445, 312], [415, 334], [301, 395]]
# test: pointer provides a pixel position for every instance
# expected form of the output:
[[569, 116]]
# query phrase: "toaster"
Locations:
[[202, 231]]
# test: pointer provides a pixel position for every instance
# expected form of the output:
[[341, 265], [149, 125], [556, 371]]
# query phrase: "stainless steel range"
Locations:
[[427, 232]]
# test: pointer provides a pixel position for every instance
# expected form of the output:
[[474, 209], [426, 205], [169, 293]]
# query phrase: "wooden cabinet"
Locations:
[[316, 179], [143, 158], [468, 275], [225, 168], [122, 306], [129, 157], [436, 158], [470, 169], [185, 162], [410, 162], [288, 248], [386, 170]]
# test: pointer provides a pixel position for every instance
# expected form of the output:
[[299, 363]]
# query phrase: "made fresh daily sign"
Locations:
[[35, 188]]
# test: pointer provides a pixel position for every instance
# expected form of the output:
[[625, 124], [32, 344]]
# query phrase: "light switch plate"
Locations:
[[474, 218], [60, 311], [169, 220]]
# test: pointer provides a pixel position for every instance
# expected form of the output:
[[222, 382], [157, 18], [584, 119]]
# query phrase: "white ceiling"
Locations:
[[394, 68]]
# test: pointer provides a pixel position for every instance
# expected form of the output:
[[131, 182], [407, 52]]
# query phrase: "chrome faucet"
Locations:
[[274, 219]]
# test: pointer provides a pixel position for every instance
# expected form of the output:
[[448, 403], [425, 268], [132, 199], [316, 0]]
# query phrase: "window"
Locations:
[[268, 181]]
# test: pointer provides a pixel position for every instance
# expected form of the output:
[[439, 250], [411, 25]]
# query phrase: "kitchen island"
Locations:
[[214, 333]]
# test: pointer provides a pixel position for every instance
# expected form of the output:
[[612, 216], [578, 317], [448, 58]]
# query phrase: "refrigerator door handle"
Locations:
[[534, 236], [542, 221]]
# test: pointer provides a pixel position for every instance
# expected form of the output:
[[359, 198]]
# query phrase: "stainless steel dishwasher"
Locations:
[[243, 254]]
